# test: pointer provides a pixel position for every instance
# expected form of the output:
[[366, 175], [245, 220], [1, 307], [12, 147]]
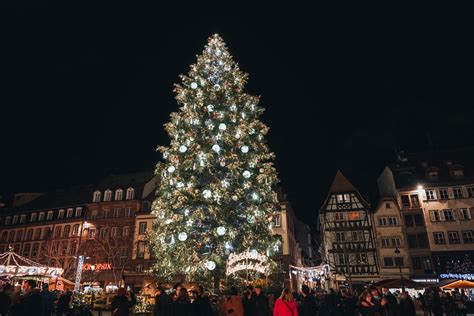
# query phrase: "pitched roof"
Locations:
[[341, 184]]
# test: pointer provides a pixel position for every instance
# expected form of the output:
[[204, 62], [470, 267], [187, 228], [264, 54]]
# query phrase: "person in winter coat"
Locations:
[[407, 306], [122, 303], [64, 302], [182, 303], [48, 298], [367, 306], [249, 303], [5, 299], [285, 305], [261, 303], [162, 303], [30, 303], [201, 305], [389, 303], [233, 304], [308, 306]]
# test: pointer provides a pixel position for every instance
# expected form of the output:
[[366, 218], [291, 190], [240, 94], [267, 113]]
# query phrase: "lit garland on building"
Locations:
[[215, 196]]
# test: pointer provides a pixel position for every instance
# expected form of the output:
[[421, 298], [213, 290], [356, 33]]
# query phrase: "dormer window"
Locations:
[[457, 171], [130, 194], [107, 195], [15, 219], [22, 218], [61, 214], [118, 195], [432, 174], [8, 220], [33, 217], [96, 197], [41, 216]]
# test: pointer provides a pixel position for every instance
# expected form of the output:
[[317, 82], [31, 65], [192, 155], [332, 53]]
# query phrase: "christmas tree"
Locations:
[[216, 195]]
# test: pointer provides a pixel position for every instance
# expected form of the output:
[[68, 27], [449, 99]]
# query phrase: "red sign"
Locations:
[[97, 266]]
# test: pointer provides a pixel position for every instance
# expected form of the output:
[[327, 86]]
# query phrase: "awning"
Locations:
[[458, 284], [398, 283]]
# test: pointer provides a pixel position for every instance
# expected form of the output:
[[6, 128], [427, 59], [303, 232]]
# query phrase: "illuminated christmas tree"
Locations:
[[216, 195]]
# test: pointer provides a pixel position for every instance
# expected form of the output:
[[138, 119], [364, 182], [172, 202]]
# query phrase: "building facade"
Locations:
[[348, 243]]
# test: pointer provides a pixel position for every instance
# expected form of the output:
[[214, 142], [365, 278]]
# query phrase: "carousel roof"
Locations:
[[12, 264]]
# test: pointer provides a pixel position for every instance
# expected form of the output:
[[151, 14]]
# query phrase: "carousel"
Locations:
[[14, 267]]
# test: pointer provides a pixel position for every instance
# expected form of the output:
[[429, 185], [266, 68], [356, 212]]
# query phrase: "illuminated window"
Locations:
[[354, 216], [41, 216], [96, 197], [130, 194], [91, 234], [142, 228], [78, 211], [339, 216], [277, 220], [49, 216], [61, 214], [69, 213], [75, 230], [107, 195], [141, 249], [118, 195]]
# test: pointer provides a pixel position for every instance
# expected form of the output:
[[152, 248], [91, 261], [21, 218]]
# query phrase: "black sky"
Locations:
[[85, 92]]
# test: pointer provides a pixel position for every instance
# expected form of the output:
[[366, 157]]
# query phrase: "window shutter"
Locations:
[[469, 214], [441, 215], [432, 216], [461, 214], [423, 195], [450, 193], [454, 213], [464, 192], [435, 194]]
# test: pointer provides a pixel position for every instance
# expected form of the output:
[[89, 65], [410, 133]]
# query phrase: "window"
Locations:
[[26, 250], [47, 232], [387, 205], [468, 236], [34, 250], [91, 234], [448, 215], [38, 232], [422, 240], [470, 191], [63, 248], [276, 220], [75, 230], [49, 216], [439, 238], [357, 235], [417, 263], [57, 232], [124, 252], [33, 217], [94, 214], [414, 201], [41, 216], [106, 213], [457, 173], [4, 237], [22, 218], [386, 242], [130, 194], [340, 259], [432, 175], [399, 261], [405, 201], [73, 248], [443, 194], [107, 195], [418, 219], [78, 211], [388, 262], [435, 215], [29, 234], [383, 221], [117, 212], [340, 236], [412, 241], [67, 230], [457, 192], [15, 219], [142, 228], [430, 194], [8, 220], [396, 242], [392, 221], [11, 236], [118, 195], [103, 232], [125, 231], [114, 232], [464, 214], [96, 197], [354, 216], [141, 249], [453, 237], [339, 216], [138, 268], [19, 235], [61, 214], [69, 213], [340, 198], [128, 211]]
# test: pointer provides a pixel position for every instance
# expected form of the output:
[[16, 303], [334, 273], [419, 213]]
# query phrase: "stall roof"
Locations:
[[398, 283], [458, 284]]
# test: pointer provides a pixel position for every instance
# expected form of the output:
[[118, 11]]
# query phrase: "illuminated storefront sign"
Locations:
[[97, 266], [459, 276]]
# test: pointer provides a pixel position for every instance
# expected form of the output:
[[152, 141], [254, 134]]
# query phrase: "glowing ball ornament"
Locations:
[[168, 221], [182, 236], [210, 265], [221, 230], [216, 148], [246, 174], [182, 149], [244, 149], [194, 85], [207, 193], [253, 254], [171, 169], [210, 107], [222, 127]]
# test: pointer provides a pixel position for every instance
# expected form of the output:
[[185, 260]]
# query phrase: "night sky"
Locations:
[[85, 92]]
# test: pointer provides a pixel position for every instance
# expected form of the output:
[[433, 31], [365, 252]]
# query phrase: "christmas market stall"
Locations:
[[314, 277]]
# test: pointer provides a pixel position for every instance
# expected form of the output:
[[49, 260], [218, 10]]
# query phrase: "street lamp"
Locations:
[[399, 264]]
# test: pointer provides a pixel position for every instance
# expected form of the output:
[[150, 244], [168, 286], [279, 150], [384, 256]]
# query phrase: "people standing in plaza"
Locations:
[[162, 303], [368, 306], [389, 303], [308, 306], [64, 302], [406, 306], [182, 303], [285, 305], [233, 304], [201, 304], [248, 302], [122, 302], [30, 303], [261, 302]]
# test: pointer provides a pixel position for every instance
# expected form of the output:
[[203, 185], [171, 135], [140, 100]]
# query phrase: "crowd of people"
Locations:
[[28, 299]]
